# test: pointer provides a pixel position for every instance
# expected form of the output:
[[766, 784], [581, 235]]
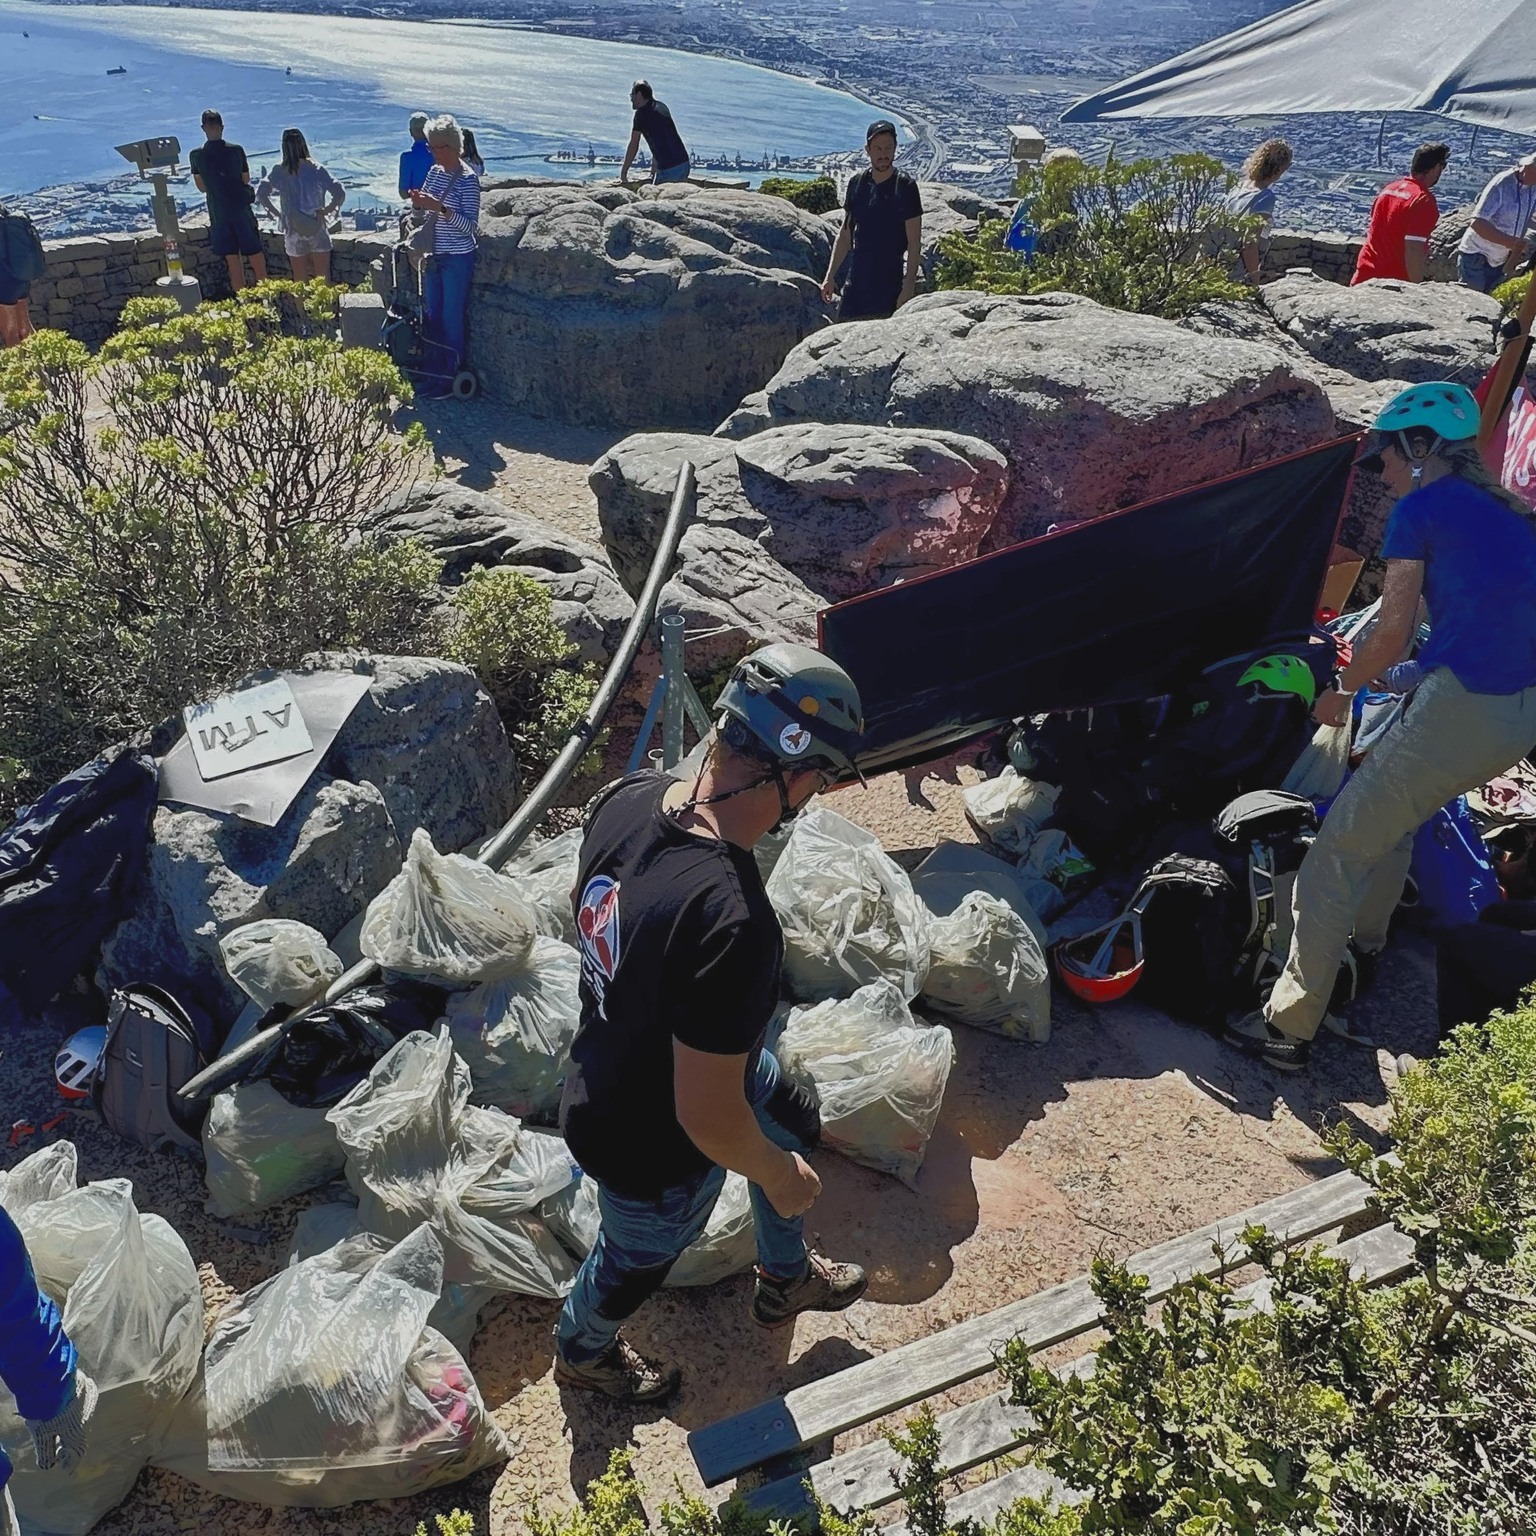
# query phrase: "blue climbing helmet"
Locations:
[[1448, 412], [800, 709]]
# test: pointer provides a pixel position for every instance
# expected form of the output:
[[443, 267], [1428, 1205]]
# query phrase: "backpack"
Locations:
[[1451, 868], [21, 249], [154, 1046], [1216, 932]]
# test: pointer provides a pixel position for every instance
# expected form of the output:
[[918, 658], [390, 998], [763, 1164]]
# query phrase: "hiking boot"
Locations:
[[1256, 1036], [622, 1373], [824, 1287]]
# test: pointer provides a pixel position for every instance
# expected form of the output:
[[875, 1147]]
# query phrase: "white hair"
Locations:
[[445, 130]]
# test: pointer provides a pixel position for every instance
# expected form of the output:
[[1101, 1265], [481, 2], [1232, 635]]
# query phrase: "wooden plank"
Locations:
[[989, 1500], [985, 1430], [876, 1387]]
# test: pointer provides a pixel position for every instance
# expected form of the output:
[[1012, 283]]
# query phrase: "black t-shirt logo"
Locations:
[[597, 924]]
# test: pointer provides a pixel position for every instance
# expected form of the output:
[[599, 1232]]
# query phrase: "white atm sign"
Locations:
[[244, 730]]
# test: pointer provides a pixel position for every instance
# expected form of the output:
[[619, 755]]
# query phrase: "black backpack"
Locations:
[[154, 1046], [20, 248], [1216, 929]]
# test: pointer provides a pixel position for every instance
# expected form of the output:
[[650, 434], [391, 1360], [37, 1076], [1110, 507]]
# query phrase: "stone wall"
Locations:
[[90, 280], [1333, 256]]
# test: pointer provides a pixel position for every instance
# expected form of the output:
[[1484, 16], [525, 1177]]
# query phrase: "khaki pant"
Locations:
[[1352, 878]]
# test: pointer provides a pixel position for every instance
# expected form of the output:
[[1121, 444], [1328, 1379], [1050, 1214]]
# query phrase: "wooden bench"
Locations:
[[777, 1436]]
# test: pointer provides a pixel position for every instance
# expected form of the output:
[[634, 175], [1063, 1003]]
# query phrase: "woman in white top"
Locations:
[[307, 196]]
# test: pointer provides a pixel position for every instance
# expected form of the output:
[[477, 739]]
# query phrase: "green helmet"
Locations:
[[1283, 674], [799, 708], [1448, 410]]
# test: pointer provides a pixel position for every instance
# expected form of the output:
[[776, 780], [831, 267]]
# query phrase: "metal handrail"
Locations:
[[246, 1058]]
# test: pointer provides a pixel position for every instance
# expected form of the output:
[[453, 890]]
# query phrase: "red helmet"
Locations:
[[1102, 966]]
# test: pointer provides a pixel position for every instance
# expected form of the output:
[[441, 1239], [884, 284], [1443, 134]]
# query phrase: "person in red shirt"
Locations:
[[1403, 217]]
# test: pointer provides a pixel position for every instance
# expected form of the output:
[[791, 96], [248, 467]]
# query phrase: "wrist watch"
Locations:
[[1336, 685]]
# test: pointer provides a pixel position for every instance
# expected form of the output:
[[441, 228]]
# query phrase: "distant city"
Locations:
[[960, 73]]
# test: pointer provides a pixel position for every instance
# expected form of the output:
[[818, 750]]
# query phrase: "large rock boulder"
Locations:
[[603, 307], [845, 509], [1093, 408], [423, 748], [1384, 329], [1442, 244], [468, 528]]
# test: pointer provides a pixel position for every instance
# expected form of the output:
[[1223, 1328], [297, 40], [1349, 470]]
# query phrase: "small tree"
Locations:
[[818, 196], [184, 507], [1152, 236]]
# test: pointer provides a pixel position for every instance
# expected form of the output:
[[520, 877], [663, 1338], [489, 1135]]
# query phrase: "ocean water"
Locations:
[[350, 82]]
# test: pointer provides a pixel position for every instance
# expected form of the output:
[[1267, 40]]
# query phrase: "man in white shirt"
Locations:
[[1499, 227]]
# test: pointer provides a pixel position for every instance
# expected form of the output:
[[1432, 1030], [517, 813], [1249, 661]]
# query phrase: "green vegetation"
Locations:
[[1148, 235], [457, 1522], [818, 196], [1328, 1410], [1512, 294], [190, 504]]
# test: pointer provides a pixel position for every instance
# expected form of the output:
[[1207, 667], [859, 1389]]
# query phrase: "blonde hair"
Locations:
[[1271, 159]]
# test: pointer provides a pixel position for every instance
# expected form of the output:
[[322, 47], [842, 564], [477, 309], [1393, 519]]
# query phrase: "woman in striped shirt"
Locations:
[[451, 197]]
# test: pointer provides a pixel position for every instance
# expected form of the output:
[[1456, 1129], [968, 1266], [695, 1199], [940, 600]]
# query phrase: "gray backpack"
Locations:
[[154, 1046]]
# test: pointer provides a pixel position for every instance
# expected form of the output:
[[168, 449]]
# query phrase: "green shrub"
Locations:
[[818, 196], [1147, 235], [1512, 293], [185, 507], [457, 1522], [506, 632]]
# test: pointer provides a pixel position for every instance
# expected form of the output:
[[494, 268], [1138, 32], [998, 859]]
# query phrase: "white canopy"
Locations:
[[1470, 59]]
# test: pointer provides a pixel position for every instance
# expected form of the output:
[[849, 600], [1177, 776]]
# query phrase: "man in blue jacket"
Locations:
[[37, 1363]]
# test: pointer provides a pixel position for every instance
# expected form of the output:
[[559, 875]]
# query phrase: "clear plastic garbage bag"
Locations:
[[879, 1075], [989, 970], [544, 871], [848, 912], [1319, 772], [515, 1034], [727, 1247], [457, 1313], [1010, 809], [278, 961], [133, 1309], [418, 1152], [325, 1385], [449, 919], [261, 1149]]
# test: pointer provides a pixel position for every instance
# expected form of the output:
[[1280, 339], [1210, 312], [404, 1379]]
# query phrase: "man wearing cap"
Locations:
[[221, 173], [882, 234], [417, 160], [670, 1082], [1500, 224]]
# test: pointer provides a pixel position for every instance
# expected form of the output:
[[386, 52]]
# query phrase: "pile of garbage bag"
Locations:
[[515, 1034], [848, 912], [989, 970], [418, 1151], [276, 961], [727, 1247], [544, 871], [132, 1307], [449, 919], [326, 1384], [878, 1073], [261, 1149]]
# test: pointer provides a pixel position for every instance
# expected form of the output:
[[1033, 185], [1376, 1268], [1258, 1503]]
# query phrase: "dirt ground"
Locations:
[[1123, 1130]]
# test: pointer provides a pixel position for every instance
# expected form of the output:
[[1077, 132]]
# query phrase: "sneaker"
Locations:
[[1256, 1036], [824, 1287], [622, 1373]]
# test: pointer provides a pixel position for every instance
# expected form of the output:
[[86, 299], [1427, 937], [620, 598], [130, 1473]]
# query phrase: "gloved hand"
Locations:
[[62, 1439]]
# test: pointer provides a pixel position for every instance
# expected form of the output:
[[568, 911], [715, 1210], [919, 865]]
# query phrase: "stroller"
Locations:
[[419, 358]]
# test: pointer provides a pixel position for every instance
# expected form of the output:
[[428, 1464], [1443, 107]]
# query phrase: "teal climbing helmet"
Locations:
[[1283, 674], [1449, 411], [797, 706]]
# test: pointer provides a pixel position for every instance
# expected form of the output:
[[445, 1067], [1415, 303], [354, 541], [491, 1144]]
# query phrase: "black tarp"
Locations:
[[1125, 607]]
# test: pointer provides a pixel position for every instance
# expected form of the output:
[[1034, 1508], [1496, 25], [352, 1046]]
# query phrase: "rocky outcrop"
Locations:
[[468, 528], [602, 306], [1092, 408], [1442, 244], [845, 509], [1384, 329], [423, 748]]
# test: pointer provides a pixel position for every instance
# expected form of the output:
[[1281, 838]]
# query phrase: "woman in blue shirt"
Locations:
[[37, 1364], [1467, 547]]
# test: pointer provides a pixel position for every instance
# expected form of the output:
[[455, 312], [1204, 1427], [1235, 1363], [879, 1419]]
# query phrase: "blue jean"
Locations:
[[1478, 272], [674, 172], [445, 292], [639, 1240]]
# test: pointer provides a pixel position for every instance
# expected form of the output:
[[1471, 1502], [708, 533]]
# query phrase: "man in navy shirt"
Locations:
[[882, 234], [222, 175], [653, 123]]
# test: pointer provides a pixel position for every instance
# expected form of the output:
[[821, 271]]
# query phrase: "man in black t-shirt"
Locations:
[[653, 123], [882, 234], [680, 953], [223, 176]]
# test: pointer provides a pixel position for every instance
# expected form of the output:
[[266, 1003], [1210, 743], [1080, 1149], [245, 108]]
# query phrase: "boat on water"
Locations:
[[122, 69]]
